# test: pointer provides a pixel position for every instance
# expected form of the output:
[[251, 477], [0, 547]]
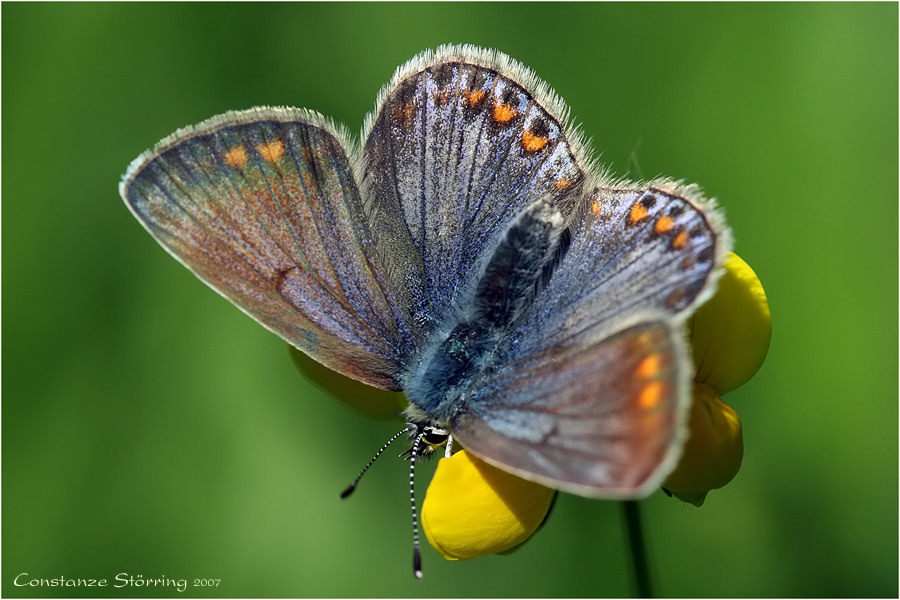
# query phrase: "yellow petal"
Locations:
[[714, 449], [730, 333], [353, 394], [472, 508]]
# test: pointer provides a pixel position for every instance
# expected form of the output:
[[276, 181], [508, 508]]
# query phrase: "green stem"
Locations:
[[638, 549]]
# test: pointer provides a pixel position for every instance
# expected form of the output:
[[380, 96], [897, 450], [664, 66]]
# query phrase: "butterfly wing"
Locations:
[[594, 382], [597, 420], [462, 142], [637, 254], [263, 206]]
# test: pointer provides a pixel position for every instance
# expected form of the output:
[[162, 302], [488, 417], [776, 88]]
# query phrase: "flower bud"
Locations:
[[730, 333], [714, 449], [473, 508]]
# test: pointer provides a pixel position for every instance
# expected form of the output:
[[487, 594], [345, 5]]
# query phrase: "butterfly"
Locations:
[[469, 252]]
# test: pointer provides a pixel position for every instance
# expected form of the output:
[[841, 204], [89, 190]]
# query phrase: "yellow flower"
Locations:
[[730, 333], [473, 509], [729, 340], [714, 449]]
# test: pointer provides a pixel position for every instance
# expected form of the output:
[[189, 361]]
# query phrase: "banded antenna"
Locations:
[[417, 554], [424, 438], [350, 488]]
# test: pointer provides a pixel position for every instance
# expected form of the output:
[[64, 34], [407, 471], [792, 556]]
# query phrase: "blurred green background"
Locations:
[[150, 428]]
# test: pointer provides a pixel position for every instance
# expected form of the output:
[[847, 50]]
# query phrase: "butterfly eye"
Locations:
[[434, 436]]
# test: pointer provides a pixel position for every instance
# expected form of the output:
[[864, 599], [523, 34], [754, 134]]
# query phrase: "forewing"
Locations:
[[262, 205], [463, 141], [602, 420]]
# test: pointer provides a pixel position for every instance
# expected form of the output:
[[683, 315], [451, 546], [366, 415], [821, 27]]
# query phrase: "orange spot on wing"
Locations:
[[504, 113], [532, 142], [651, 394], [237, 157], [562, 184], [649, 366], [272, 151], [680, 240], [474, 97], [638, 213], [663, 224], [595, 207]]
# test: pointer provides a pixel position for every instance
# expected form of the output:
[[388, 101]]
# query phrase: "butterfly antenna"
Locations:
[[349, 489], [417, 554]]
